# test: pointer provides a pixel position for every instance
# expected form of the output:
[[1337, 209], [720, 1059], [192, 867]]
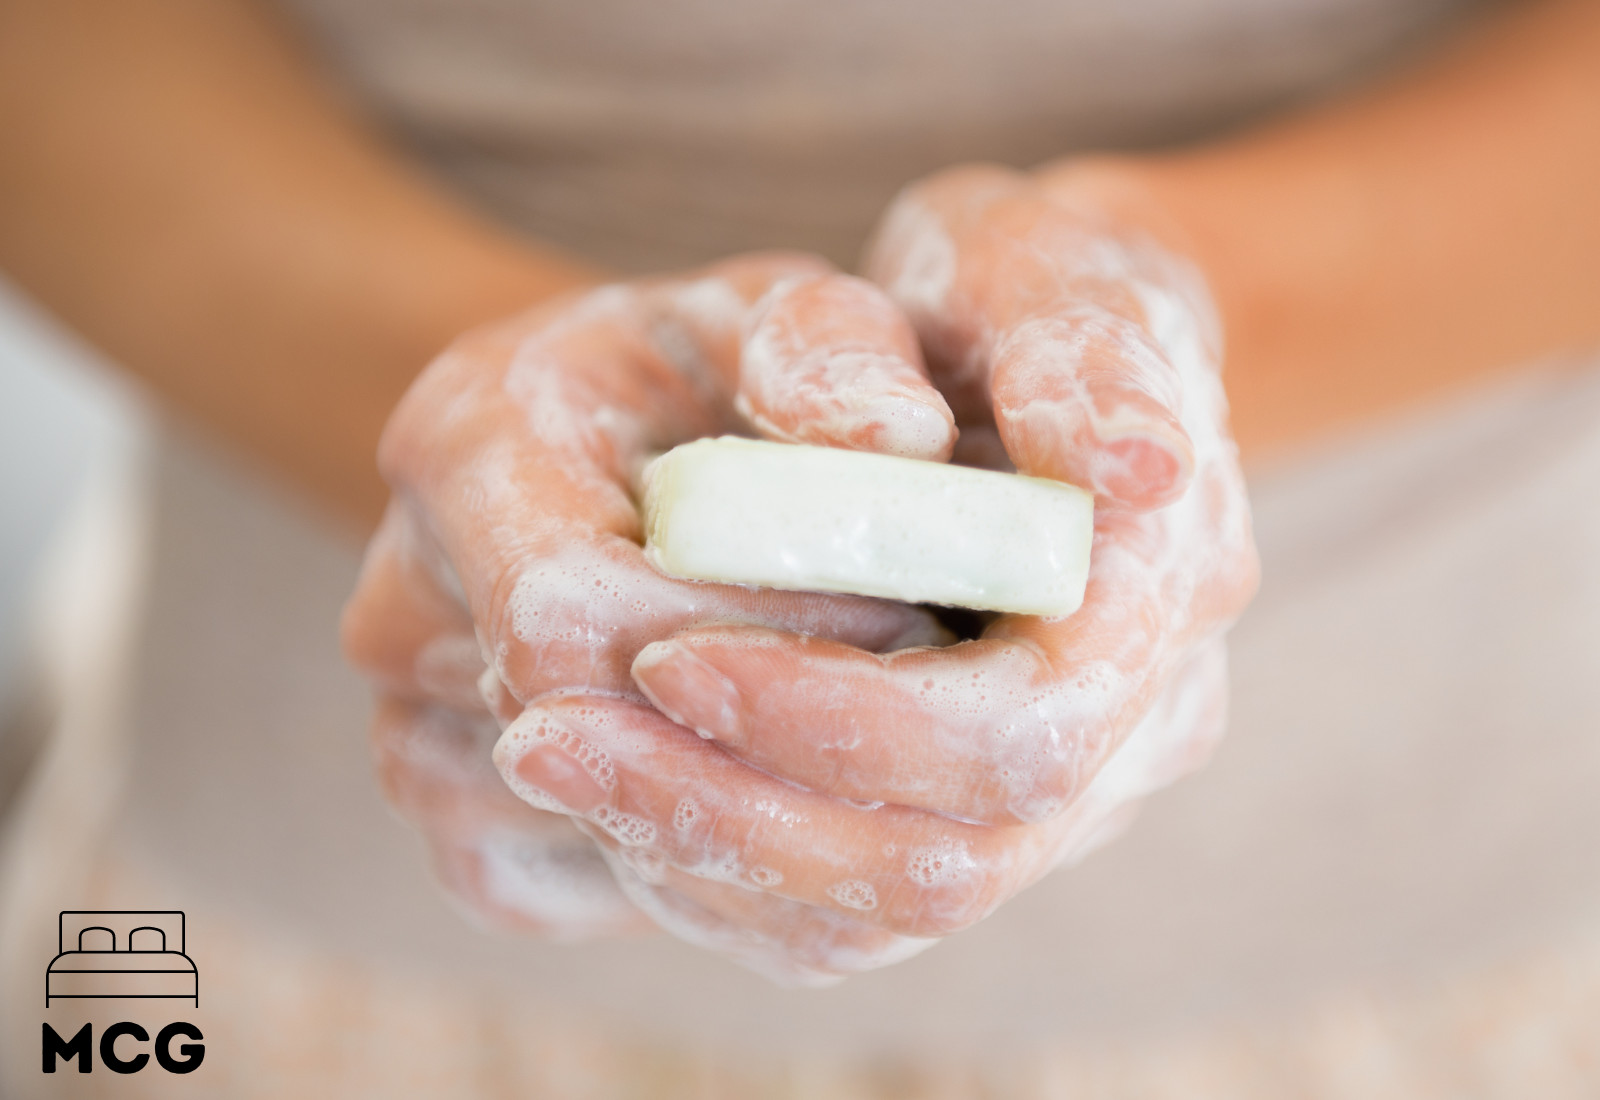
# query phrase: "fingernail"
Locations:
[[899, 424], [553, 767], [1144, 470], [689, 691]]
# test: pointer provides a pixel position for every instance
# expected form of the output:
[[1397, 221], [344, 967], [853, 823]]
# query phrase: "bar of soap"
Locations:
[[817, 519]]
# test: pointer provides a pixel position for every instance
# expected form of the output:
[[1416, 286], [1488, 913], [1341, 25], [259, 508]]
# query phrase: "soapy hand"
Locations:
[[508, 571], [912, 792], [900, 792]]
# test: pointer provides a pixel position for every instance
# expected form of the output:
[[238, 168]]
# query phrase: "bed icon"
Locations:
[[122, 953]]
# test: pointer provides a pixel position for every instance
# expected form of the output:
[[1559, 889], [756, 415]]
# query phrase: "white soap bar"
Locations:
[[817, 519]]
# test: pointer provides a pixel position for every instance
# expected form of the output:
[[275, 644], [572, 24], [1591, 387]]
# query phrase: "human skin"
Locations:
[[512, 458], [270, 267]]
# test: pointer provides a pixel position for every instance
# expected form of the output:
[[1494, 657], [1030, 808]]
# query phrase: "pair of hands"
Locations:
[[811, 784]]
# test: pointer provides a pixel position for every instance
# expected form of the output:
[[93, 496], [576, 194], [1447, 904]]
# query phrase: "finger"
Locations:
[[788, 941], [505, 864], [985, 730], [657, 787], [830, 361], [406, 626], [1063, 325]]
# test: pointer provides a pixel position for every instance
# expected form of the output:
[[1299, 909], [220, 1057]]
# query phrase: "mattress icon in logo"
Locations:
[[122, 953]]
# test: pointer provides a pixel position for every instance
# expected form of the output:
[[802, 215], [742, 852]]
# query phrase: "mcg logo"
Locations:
[[122, 954]]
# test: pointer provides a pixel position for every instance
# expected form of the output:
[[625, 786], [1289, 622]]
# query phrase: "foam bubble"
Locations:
[[854, 894], [945, 862], [686, 813], [534, 728], [628, 829]]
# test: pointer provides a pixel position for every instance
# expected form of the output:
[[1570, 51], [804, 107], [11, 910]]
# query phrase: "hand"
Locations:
[[898, 797], [508, 569]]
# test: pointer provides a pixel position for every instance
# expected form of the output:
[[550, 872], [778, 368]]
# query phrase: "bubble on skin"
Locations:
[[534, 728], [533, 796], [587, 599], [819, 947], [854, 894], [626, 828], [686, 813], [938, 864], [717, 867]]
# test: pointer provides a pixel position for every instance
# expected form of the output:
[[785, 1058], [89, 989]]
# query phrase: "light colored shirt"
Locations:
[[652, 135]]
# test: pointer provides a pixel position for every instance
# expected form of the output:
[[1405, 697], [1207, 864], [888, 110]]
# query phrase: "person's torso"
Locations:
[[653, 135]]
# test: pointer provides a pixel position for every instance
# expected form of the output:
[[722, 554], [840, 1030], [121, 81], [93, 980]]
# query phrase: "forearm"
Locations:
[[1418, 234], [179, 186]]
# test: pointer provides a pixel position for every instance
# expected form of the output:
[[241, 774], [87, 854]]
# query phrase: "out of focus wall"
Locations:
[[64, 418]]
